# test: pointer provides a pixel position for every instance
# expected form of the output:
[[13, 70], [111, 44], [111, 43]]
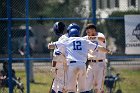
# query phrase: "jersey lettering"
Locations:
[[77, 45]]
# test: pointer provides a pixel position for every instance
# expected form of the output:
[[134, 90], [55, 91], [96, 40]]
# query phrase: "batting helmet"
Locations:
[[73, 32], [59, 28], [73, 25]]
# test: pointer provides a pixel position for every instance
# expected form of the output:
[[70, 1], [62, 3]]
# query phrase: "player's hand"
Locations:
[[51, 46], [21, 52], [91, 37], [53, 71], [110, 52]]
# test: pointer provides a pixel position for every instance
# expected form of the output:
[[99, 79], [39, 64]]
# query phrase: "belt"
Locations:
[[76, 62], [72, 61], [95, 61]]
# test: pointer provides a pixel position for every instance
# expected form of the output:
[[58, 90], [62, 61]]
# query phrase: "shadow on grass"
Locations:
[[39, 83]]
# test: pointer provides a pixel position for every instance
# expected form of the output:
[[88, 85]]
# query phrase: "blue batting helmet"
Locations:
[[73, 32], [73, 25], [59, 28]]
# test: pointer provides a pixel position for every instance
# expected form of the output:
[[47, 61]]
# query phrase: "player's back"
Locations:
[[77, 48], [63, 37]]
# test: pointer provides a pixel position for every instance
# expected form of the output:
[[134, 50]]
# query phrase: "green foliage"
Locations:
[[53, 8], [122, 13]]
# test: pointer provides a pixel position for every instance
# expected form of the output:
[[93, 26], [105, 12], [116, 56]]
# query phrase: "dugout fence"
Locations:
[[30, 22]]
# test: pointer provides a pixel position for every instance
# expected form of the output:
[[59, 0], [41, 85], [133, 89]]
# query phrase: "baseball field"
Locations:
[[130, 80]]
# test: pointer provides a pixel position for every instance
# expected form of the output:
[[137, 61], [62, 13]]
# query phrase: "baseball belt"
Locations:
[[95, 61], [76, 62]]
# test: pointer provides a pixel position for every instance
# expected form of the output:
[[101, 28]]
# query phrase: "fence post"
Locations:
[[27, 46], [9, 45], [94, 11]]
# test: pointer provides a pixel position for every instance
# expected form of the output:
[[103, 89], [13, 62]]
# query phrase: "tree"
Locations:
[[3, 25]]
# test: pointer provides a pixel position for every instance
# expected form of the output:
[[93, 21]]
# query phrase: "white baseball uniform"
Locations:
[[97, 66], [76, 51], [59, 81]]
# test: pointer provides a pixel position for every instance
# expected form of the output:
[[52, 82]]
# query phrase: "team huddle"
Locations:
[[79, 62]]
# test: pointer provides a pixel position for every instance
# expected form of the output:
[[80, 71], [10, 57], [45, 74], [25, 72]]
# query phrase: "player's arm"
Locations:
[[100, 38], [57, 44], [54, 45], [51, 45], [21, 50], [94, 47], [103, 49]]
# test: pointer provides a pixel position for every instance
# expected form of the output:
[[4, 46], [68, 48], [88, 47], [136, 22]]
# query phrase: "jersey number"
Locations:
[[77, 45]]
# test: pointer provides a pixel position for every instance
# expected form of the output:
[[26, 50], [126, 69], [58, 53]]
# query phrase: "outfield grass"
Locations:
[[42, 82], [130, 82]]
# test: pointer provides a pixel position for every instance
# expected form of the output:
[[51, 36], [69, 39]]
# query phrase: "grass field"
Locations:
[[130, 82], [43, 80]]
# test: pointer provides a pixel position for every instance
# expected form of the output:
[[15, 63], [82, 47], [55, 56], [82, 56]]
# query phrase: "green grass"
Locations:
[[130, 82], [42, 83]]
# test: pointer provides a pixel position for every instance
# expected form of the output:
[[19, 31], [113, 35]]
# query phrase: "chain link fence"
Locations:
[[31, 22]]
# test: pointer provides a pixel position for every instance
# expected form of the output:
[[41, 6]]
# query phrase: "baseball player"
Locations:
[[57, 61], [76, 51], [59, 84], [22, 51], [96, 60]]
